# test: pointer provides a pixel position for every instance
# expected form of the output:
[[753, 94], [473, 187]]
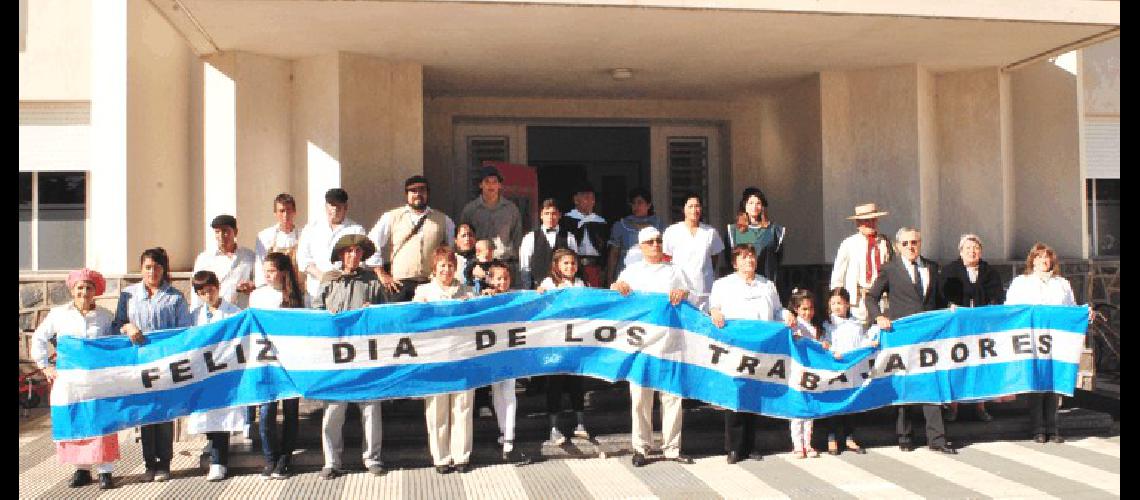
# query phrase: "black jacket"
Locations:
[[958, 290], [904, 297]]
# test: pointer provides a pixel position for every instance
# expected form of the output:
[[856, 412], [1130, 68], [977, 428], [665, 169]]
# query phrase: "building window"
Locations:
[[53, 215], [1104, 216], [482, 149], [688, 173]]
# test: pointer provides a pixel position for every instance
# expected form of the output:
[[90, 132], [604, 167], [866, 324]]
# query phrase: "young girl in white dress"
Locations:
[[563, 268], [802, 305], [844, 333]]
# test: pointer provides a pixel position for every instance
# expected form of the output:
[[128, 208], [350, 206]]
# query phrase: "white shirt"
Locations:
[[548, 283], [662, 277], [222, 419], [850, 269], [738, 299], [231, 270], [845, 334], [526, 248], [587, 247], [274, 238], [692, 253], [67, 321], [923, 271], [265, 297], [316, 244], [381, 233], [431, 291], [1029, 289]]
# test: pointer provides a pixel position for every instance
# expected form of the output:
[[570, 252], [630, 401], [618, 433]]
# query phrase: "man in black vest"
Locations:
[[915, 285], [538, 245], [592, 234]]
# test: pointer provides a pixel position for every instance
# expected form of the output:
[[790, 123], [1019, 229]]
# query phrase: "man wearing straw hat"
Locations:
[[860, 258]]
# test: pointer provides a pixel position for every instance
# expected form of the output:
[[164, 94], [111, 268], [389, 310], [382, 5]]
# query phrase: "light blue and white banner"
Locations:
[[418, 349]]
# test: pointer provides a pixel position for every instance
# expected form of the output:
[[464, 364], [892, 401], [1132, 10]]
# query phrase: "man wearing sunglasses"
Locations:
[[915, 285], [406, 237]]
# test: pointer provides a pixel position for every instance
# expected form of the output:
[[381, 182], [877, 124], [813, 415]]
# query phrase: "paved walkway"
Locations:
[[1080, 468]]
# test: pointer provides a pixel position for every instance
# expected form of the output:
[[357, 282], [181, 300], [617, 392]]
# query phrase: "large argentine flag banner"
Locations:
[[409, 350]]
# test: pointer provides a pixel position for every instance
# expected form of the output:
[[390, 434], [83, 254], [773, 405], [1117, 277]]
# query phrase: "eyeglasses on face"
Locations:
[[656, 241], [417, 189], [910, 243]]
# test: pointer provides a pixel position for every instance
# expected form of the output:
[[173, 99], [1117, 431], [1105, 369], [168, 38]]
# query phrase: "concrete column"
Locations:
[[975, 161], [358, 124], [1049, 184], [107, 229], [246, 129], [872, 150]]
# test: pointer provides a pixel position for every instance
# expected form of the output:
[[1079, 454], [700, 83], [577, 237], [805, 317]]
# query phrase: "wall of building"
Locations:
[[776, 147], [1100, 67], [929, 168], [972, 162], [870, 149], [158, 131], [1049, 194], [315, 146], [263, 140], [55, 61]]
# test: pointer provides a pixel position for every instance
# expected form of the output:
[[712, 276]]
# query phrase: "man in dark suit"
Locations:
[[915, 285]]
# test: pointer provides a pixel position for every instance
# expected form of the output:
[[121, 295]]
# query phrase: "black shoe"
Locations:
[[1040, 438], [82, 477], [328, 473], [106, 482], [377, 469], [461, 468], [1056, 438], [442, 469], [281, 470], [944, 449], [639, 460], [732, 457], [267, 471], [904, 445], [148, 476], [683, 459]]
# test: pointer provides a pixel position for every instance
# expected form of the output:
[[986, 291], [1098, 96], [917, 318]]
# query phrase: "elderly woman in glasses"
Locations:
[[79, 318]]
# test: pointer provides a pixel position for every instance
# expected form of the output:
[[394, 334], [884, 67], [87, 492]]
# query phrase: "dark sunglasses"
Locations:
[[910, 243]]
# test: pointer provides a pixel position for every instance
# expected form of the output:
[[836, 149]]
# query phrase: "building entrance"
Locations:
[[613, 159]]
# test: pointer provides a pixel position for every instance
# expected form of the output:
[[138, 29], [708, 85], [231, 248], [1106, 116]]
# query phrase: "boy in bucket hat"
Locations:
[[860, 258]]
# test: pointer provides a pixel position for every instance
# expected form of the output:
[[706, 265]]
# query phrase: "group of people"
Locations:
[[416, 253]]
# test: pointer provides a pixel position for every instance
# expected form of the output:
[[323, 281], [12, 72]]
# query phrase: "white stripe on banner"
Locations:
[[411, 350]]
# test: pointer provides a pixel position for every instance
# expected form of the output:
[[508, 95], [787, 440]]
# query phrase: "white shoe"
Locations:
[[556, 436], [508, 446], [580, 431], [217, 473]]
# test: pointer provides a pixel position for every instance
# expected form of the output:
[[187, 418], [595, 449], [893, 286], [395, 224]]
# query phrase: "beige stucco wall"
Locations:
[[929, 168], [870, 150], [381, 132], [55, 64], [777, 146], [158, 167], [1049, 193], [315, 132], [263, 138], [973, 166], [1100, 66]]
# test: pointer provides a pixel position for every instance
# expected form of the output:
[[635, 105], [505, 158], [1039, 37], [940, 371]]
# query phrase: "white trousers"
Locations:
[[801, 433], [449, 427], [506, 405], [332, 432], [642, 413]]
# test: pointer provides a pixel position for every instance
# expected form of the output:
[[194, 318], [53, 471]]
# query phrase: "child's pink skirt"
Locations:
[[98, 450]]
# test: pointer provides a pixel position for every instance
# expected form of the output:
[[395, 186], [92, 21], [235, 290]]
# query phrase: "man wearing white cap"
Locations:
[[860, 258], [653, 275]]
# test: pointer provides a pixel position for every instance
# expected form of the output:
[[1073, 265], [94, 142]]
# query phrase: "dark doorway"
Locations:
[[613, 159]]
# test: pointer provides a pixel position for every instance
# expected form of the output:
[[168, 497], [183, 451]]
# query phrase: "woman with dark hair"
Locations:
[[464, 246], [282, 289], [145, 307], [693, 247], [969, 281], [623, 236], [1041, 283], [754, 228]]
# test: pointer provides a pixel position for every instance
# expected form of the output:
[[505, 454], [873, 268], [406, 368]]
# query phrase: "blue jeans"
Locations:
[[268, 427]]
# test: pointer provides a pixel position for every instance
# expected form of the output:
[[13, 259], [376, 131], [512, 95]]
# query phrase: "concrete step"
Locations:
[[405, 435]]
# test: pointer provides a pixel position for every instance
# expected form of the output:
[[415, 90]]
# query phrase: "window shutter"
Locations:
[[688, 172], [479, 150], [1102, 148]]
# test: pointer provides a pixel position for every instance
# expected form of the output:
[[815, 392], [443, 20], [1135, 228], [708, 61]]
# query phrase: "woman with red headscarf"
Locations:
[[79, 318]]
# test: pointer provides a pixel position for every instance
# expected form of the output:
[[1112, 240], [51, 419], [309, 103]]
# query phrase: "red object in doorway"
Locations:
[[520, 185]]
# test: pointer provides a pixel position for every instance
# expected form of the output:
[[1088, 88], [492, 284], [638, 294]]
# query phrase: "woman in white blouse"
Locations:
[[744, 295], [693, 247], [448, 416], [79, 318], [1042, 284]]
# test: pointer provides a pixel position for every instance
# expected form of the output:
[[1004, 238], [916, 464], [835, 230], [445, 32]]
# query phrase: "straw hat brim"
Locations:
[[872, 215]]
